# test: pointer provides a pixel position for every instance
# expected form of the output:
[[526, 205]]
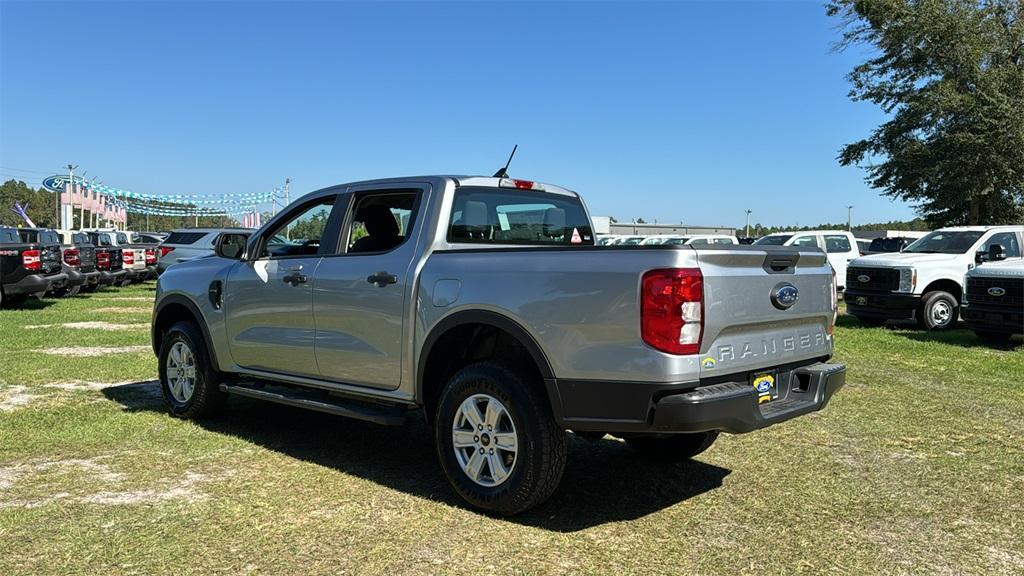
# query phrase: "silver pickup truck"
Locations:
[[484, 303]]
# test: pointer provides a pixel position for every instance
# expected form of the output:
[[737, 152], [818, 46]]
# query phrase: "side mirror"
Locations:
[[231, 246], [996, 252]]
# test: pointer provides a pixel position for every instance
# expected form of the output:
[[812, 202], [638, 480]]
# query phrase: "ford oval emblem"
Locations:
[[863, 278], [996, 291], [784, 295]]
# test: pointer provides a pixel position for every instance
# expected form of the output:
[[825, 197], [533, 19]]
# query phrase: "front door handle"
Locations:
[[295, 276], [382, 279]]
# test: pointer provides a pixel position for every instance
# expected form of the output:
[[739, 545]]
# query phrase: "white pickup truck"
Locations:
[[839, 246], [925, 281]]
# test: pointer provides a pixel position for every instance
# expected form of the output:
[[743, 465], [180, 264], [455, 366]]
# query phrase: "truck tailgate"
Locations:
[[751, 321]]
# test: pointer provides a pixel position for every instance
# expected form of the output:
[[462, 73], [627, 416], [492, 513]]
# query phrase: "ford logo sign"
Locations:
[[55, 183], [863, 278], [784, 295], [996, 291]]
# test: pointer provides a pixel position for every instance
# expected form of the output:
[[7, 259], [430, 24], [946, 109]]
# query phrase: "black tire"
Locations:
[[673, 447], [870, 322], [541, 444], [930, 317], [993, 337], [206, 399]]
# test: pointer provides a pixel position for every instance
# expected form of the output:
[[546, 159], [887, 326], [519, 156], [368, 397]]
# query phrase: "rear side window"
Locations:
[[806, 241], [837, 243], [518, 217], [184, 237]]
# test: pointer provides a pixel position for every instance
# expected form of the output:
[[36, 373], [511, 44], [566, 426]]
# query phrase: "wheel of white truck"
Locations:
[[189, 384], [938, 310], [496, 439], [672, 447]]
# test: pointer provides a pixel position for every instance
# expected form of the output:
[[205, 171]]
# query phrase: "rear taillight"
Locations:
[[165, 250], [150, 256], [71, 257], [835, 303], [128, 258], [671, 309], [103, 260], [31, 260]]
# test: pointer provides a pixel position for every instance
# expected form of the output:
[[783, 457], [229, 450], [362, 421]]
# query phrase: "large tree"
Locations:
[[950, 76]]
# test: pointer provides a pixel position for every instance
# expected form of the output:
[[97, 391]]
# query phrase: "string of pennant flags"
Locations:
[[114, 204]]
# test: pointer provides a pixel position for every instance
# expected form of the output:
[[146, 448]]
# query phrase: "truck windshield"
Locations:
[[774, 240], [518, 217], [940, 242]]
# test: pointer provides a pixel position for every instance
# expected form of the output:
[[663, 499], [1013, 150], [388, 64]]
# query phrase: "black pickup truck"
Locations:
[[78, 258], [27, 268], [109, 260]]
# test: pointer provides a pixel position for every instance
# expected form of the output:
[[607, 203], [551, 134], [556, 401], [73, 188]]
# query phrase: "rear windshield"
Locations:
[[777, 240], [184, 237], [518, 217], [79, 238], [9, 235], [99, 239]]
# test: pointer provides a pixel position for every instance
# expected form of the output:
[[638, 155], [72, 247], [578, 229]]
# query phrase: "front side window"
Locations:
[[1008, 240], [520, 217], [300, 234], [837, 243], [941, 242]]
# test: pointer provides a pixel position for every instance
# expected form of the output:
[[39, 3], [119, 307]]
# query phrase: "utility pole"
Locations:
[[71, 177], [748, 223], [849, 218], [287, 201]]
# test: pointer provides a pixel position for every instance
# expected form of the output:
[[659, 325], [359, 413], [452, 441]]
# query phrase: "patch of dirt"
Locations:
[[122, 310], [14, 397], [91, 326], [93, 482], [125, 298], [92, 351]]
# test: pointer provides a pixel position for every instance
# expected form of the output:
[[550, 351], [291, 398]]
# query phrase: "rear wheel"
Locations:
[[993, 337], [938, 310], [674, 447], [188, 381], [496, 439]]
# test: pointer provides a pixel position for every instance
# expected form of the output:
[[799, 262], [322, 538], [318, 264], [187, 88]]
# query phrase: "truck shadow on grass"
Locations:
[[604, 481]]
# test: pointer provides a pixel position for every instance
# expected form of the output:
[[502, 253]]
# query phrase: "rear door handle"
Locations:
[[382, 279], [295, 276]]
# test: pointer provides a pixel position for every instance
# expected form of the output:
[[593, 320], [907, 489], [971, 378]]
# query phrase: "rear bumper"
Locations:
[[725, 405], [888, 306], [75, 277], [34, 283], [993, 318], [107, 277]]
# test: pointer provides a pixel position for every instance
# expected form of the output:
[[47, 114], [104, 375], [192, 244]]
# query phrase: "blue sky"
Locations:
[[686, 112]]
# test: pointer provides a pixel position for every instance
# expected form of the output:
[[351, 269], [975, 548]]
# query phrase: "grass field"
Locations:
[[916, 467]]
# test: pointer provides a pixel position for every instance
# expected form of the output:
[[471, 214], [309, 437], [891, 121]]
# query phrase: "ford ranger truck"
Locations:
[[924, 283], [994, 299], [78, 248], [109, 260], [484, 305], [26, 268]]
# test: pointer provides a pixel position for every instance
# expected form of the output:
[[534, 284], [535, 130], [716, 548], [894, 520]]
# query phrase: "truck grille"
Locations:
[[880, 279], [1013, 295]]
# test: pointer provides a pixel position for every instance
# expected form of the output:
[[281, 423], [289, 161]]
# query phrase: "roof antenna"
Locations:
[[503, 173]]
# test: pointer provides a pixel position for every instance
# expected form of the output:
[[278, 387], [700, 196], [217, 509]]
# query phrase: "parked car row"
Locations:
[[39, 262], [974, 272], [665, 239]]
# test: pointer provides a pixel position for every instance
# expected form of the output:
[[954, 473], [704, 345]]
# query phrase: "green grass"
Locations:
[[915, 467]]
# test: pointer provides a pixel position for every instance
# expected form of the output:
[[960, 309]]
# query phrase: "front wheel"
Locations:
[[497, 440], [673, 447], [938, 310], [188, 381]]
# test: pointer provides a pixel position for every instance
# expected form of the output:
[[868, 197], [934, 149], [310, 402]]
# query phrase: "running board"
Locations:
[[393, 415]]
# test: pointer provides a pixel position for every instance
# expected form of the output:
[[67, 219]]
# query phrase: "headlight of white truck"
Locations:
[[908, 280]]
